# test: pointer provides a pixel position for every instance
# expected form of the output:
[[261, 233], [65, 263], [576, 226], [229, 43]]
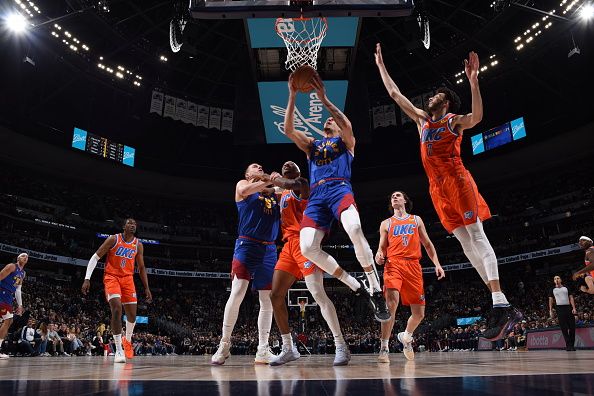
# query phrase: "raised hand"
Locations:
[[318, 85], [292, 90], [379, 60], [471, 66]]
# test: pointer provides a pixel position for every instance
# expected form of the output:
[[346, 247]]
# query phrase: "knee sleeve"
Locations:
[[310, 242], [352, 225], [463, 237], [483, 249]]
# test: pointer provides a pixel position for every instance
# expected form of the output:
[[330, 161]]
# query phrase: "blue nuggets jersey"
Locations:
[[329, 158], [259, 217], [13, 280]]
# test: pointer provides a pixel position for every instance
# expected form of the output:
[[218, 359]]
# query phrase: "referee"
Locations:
[[565, 307]]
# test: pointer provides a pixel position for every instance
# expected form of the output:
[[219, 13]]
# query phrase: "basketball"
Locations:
[[302, 77]]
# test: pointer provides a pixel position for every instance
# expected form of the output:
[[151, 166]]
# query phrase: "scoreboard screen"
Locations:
[[498, 136], [103, 147]]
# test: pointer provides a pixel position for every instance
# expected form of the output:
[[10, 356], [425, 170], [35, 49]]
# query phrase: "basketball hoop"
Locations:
[[302, 306], [303, 37]]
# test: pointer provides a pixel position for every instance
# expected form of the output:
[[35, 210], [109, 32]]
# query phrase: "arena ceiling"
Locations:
[[50, 86]]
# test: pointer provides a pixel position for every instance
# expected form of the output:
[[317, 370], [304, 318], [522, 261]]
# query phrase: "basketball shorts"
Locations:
[[6, 304], [457, 201], [405, 276], [254, 260], [121, 287], [292, 261], [326, 202]]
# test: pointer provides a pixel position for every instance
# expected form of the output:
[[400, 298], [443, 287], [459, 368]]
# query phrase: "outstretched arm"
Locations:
[[417, 115], [245, 188], [380, 256], [467, 121], [430, 249], [142, 272], [299, 138], [299, 185], [346, 129]]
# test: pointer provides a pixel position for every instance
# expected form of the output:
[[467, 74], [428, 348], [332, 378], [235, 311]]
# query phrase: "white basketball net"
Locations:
[[303, 37]]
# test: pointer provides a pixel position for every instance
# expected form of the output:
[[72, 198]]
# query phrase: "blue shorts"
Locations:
[[254, 260], [326, 202]]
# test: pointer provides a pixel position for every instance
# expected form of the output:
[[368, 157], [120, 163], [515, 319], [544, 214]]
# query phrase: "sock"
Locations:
[[373, 279], [385, 344], [129, 330], [349, 280], [264, 318], [1, 341], [117, 339], [339, 340], [499, 300], [238, 289], [408, 334], [315, 284], [287, 341]]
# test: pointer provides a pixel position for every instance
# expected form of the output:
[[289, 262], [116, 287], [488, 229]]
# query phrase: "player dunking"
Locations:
[[292, 265], [588, 270], [254, 256], [399, 249], [11, 280], [123, 251], [331, 197], [460, 207]]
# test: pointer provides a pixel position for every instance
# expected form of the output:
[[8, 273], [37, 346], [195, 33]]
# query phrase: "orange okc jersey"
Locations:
[[440, 147], [403, 238], [121, 257], [292, 208]]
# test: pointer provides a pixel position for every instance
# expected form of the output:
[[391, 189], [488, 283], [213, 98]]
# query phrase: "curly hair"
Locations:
[[451, 97]]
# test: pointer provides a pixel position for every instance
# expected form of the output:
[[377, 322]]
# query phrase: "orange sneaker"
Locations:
[[128, 350]]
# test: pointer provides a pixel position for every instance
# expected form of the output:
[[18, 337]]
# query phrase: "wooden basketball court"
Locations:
[[489, 373]]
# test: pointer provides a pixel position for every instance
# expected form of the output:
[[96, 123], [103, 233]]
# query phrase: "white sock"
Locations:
[[499, 299], [117, 339], [238, 289], [264, 318], [349, 280], [373, 279], [384, 343], [129, 330], [315, 285], [287, 341], [1, 341]]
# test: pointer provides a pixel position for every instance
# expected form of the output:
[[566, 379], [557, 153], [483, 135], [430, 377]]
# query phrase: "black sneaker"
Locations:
[[376, 300], [501, 322]]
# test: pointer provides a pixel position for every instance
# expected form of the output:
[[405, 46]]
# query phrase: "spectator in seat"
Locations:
[[27, 339], [55, 341]]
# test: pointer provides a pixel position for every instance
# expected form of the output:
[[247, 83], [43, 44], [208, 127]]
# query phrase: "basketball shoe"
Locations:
[[384, 356], [501, 321], [288, 354], [376, 300], [343, 355], [128, 350], [221, 354], [3, 356], [407, 349], [264, 355], [119, 357]]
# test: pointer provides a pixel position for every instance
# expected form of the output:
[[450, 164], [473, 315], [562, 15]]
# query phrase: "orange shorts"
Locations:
[[292, 261], [405, 276], [457, 201], [122, 287]]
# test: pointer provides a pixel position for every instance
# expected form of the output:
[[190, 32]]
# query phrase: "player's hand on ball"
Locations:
[[85, 287], [148, 295], [318, 85], [439, 272], [292, 89]]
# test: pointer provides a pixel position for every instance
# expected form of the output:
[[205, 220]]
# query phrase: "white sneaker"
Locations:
[[286, 356], [221, 354], [343, 355], [384, 356], [119, 357], [264, 355], [406, 341], [4, 356]]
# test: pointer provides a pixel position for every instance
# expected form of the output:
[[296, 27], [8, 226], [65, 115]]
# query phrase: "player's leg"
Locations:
[[281, 283], [6, 316], [263, 283], [314, 281], [412, 294], [392, 299], [130, 304], [113, 294], [589, 288], [462, 235]]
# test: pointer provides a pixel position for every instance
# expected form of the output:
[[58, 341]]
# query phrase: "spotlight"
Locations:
[[16, 22], [587, 12]]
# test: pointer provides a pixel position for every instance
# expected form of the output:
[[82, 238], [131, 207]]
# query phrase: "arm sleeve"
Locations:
[[18, 295], [91, 266]]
